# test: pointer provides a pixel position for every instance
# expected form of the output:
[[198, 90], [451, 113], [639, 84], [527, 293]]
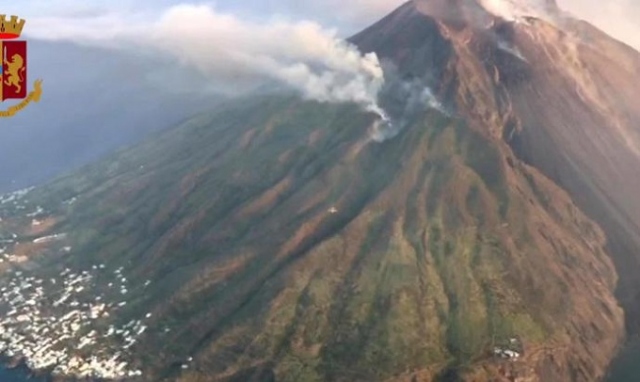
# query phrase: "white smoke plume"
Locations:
[[516, 9], [403, 101], [241, 54]]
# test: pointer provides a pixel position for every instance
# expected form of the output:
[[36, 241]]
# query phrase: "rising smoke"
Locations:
[[303, 55], [403, 101], [241, 55], [515, 9]]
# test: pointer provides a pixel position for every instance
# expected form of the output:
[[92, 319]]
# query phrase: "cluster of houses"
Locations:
[[63, 325], [15, 197], [16, 203], [511, 352], [59, 324]]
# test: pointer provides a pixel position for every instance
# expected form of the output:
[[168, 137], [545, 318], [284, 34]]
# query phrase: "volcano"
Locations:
[[493, 236]]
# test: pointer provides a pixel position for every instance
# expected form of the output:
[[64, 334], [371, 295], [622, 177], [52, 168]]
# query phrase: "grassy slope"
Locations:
[[440, 248]]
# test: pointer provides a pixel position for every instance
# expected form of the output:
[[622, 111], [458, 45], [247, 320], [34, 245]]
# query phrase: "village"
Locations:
[[61, 324], [55, 325]]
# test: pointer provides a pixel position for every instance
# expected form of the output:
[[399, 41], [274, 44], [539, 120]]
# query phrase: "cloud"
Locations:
[[57, 8], [619, 18], [351, 15], [514, 9]]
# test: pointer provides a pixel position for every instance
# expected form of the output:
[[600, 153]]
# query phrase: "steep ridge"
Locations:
[[281, 243], [560, 92], [594, 130]]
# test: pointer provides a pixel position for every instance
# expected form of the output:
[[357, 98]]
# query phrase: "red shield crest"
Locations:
[[13, 67], [14, 70]]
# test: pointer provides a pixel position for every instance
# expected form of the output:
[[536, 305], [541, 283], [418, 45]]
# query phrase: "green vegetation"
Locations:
[[229, 217]]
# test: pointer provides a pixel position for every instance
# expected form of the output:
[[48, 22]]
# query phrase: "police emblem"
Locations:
[[13, 71]]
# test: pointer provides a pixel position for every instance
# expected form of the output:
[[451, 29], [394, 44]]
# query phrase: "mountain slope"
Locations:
[[272, 239], [440, 247], [561, 93]]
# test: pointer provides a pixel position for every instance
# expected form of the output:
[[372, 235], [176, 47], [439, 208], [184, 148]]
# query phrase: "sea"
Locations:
[[17, 375], [625, 367]]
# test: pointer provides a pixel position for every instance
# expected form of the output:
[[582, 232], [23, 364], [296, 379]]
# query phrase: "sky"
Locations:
[[619, 18]]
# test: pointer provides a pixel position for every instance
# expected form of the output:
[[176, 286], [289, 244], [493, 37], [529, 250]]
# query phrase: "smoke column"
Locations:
[[402, 101], [241, 55]]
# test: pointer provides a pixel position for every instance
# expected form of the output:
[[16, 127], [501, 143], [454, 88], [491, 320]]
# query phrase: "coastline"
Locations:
[[15, 370], [19, 375]]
